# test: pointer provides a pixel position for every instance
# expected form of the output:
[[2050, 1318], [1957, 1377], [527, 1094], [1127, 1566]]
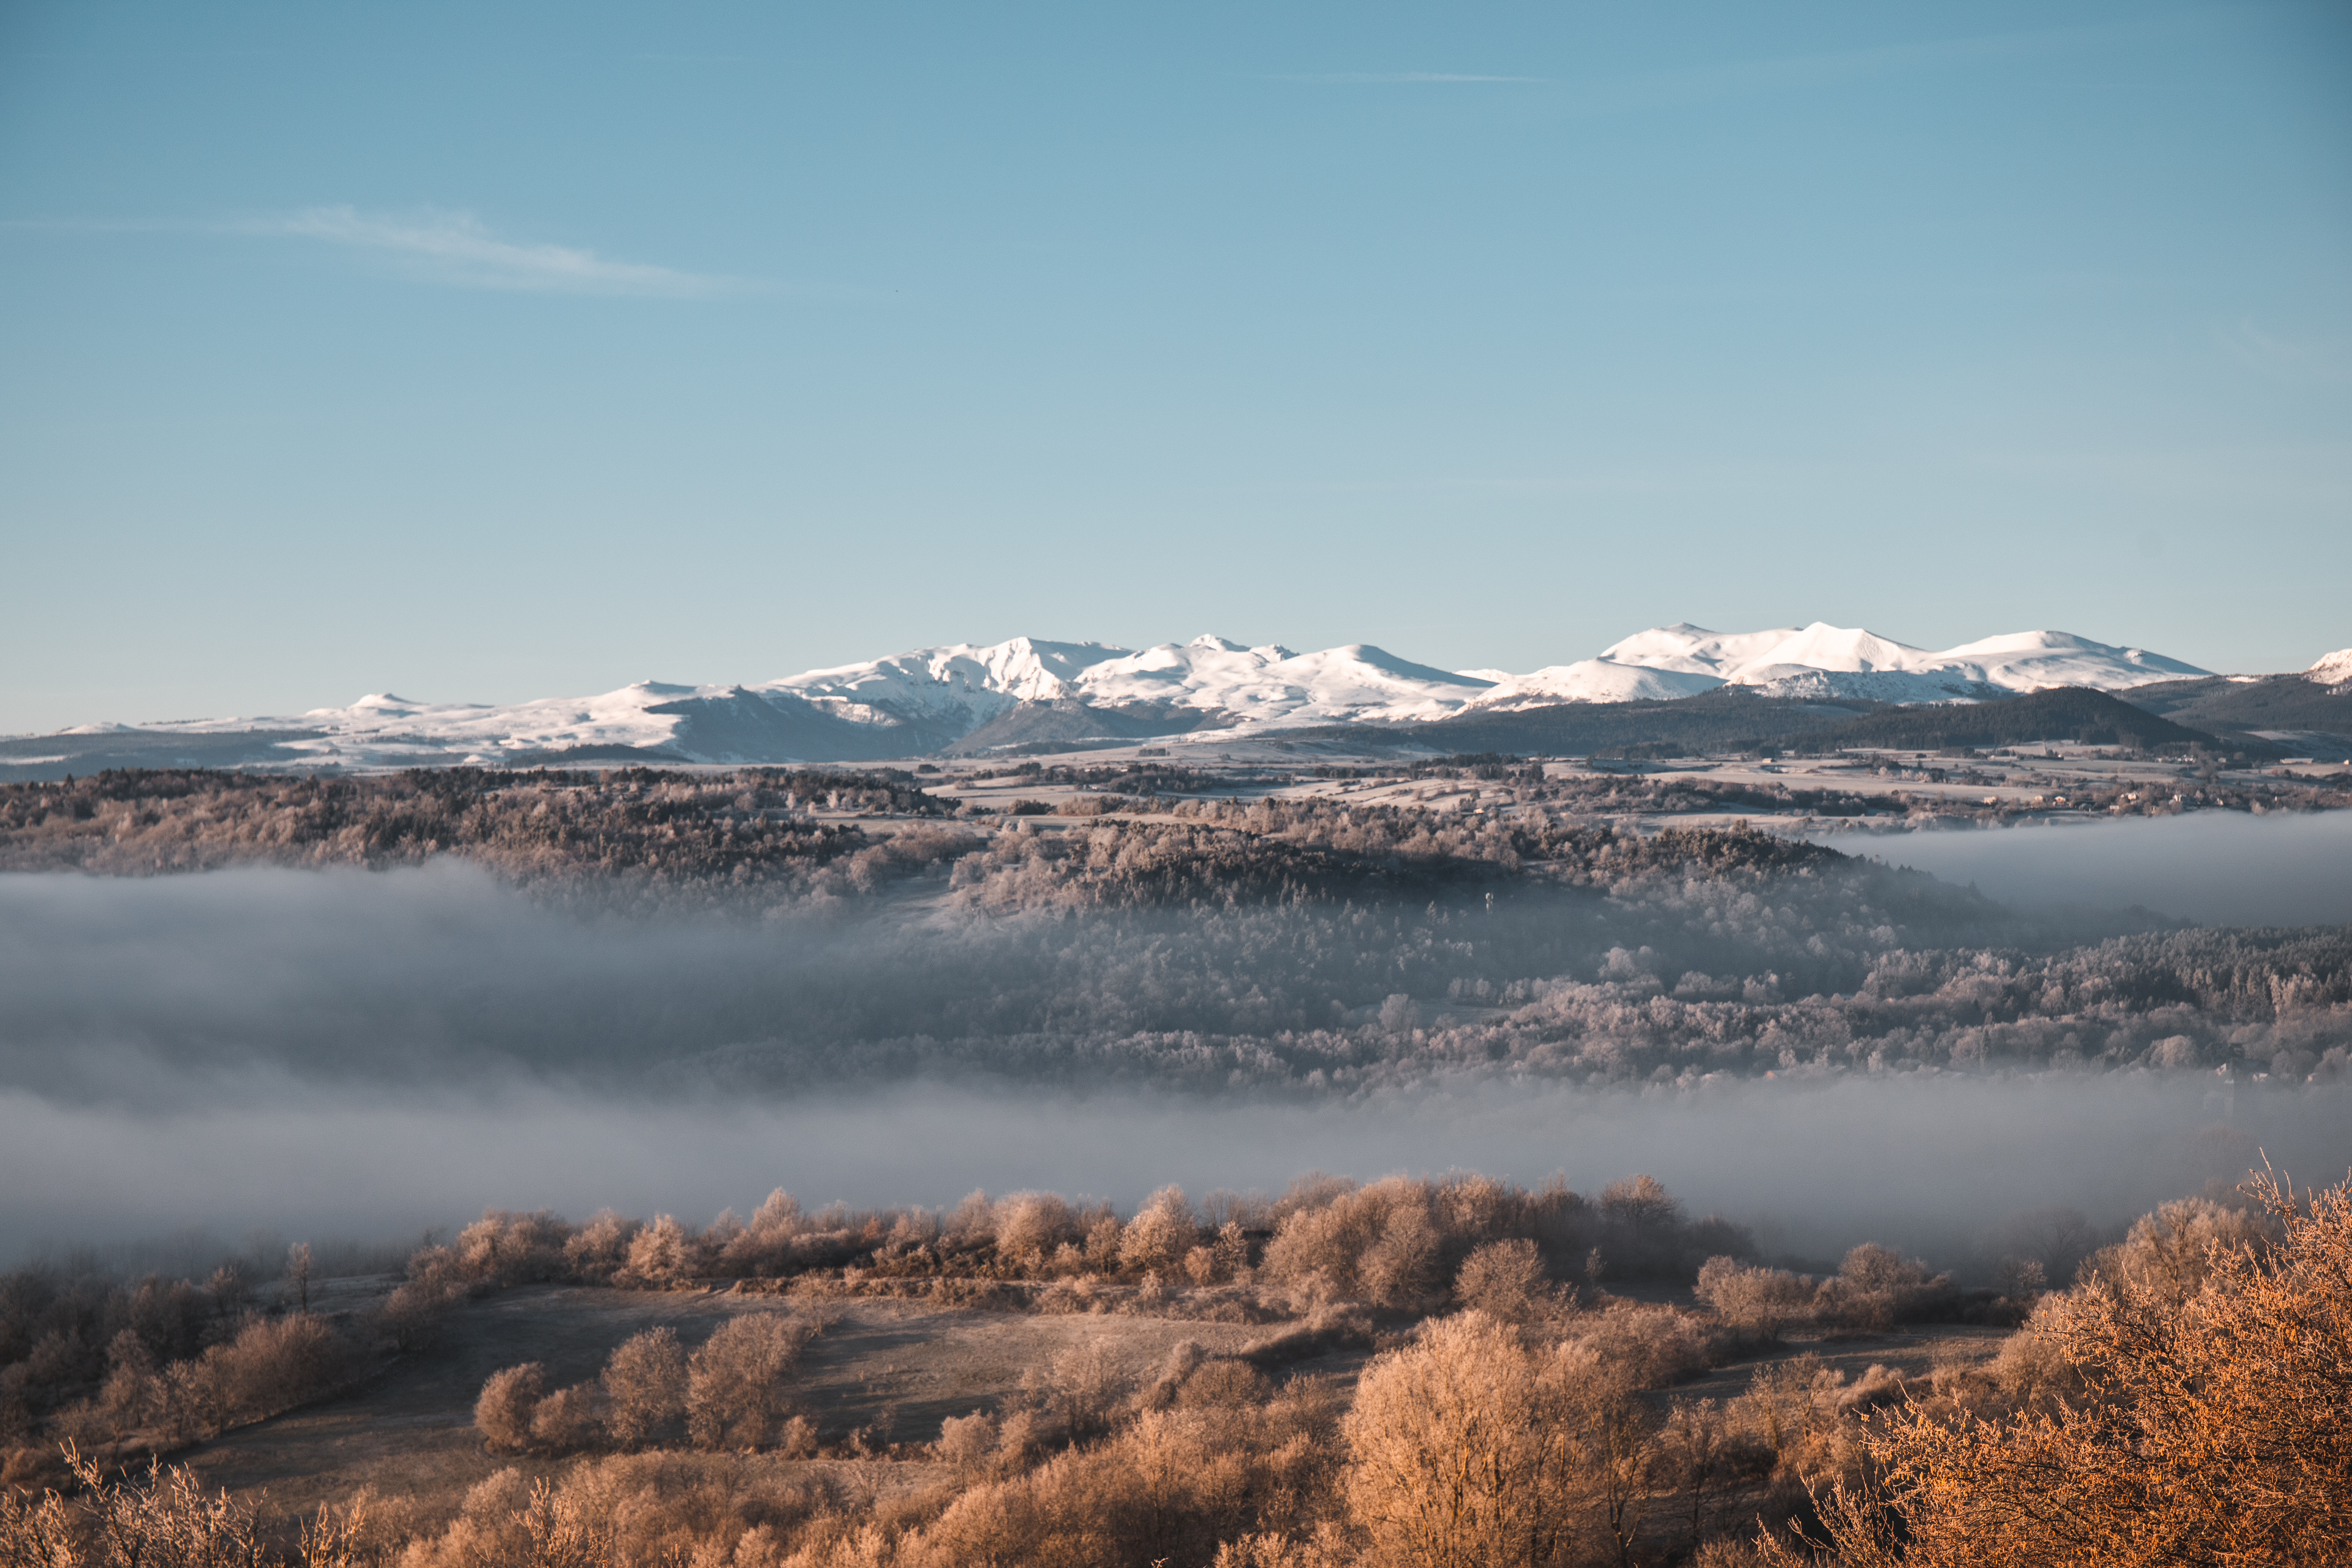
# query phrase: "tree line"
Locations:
[[2186, 1397]]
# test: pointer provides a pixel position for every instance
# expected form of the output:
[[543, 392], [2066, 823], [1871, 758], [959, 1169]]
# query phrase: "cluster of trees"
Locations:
[[2196, 1406], [1139, 778], [1398, 1244], [1297, 851], [1649, 795], [752, 826], [2188, 1399], [1874, 1289], [115, 1367], [756, 829], [2184, 1401], [731, 1394]]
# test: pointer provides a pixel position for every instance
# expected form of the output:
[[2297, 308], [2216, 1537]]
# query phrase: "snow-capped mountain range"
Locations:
[[969, 697], [1826, 661]]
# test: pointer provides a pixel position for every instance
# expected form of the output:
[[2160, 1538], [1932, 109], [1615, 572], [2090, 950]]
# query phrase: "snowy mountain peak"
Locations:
[[2331, 668], [928, 698], [1821, 659], [1262, 685], [1695, 650], [928, 682], [1592, 680]]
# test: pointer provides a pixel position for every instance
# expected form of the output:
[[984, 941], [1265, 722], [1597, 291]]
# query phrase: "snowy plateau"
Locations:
[[966, 698]]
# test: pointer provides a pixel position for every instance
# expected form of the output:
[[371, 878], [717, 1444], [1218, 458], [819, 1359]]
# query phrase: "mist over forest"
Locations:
[[129, 989], [1101, 1005]]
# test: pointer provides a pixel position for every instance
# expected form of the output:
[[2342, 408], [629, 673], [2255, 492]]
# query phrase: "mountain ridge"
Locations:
[[969, 697]]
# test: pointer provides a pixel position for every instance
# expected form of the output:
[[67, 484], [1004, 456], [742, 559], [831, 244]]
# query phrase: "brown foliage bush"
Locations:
[[2217, 1425], [510, 1399], [644, 1386], [570, 1419], [1461, 1452], [737, 1393], [1504, 1279]]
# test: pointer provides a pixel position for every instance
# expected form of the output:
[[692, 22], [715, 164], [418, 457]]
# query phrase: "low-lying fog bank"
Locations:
[[1832, 1051], [2213, 867], [151, 992], [1926, 1163]]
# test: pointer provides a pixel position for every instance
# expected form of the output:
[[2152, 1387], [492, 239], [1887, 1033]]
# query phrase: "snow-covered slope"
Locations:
[[1357, 683], [942, 681], [925, 701], [2331, 668], [1592, 680], [1822, 660]]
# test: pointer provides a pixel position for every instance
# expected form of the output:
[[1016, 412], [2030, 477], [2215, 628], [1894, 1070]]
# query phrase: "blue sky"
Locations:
[[487, 352]]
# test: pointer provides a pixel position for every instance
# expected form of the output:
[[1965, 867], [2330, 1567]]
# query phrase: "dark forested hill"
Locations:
[[2238, 710], [2074, 713], [1729, 719]]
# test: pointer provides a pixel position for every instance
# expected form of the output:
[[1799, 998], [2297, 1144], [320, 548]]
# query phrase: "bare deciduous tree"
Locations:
[[1460, 1452], [1161, 1234], [508, 1400], [298, 1271], [1504, 1279], [645, 1381], [737, 1392]]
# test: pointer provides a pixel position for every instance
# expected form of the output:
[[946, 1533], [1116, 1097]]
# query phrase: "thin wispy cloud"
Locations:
[[457, 249], [1347, 78]]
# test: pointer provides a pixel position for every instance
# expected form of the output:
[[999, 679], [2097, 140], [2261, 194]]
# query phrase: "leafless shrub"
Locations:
[[1081, 1388], [796, 1439], [1756, 1300], [412, 1315], [2031, 1369], [736, 1395], [1161, 1234], [1183, 1358], [165, 1517], [1876, 1288], [645, 1383], [1793, 1414], [2167, 1255], [1227, 1383], [600, 1249], [1029, 1227], [1647, 1345], [1504, 1279], [1083, 1294], [968, 1442], [504, 1248], [272, 1365], [2214, 1428], [366, 1530], [510, 1399], [662, 1253], [570, 1419], [1698, 1454]]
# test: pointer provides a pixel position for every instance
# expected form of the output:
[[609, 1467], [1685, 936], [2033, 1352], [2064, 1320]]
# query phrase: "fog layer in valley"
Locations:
[[2213, 867], [366, 1055], [1928, 1163], [178, 990]]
